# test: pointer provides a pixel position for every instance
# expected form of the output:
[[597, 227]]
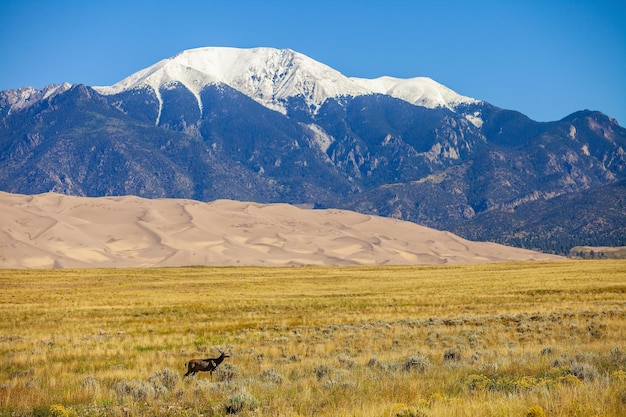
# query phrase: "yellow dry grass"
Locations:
[[477, 340]]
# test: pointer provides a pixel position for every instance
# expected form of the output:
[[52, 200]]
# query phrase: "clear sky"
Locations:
[[545, 58]]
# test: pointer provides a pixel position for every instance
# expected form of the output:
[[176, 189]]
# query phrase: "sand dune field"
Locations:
[[57, 231]]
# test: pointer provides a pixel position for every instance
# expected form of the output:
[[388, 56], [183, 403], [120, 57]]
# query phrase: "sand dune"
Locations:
[[57, 231]]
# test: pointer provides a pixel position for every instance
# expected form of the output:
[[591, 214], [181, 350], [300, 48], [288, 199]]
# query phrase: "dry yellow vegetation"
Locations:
[[525, 339]]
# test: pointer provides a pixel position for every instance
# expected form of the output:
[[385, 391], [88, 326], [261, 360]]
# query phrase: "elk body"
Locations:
[[205, 365]]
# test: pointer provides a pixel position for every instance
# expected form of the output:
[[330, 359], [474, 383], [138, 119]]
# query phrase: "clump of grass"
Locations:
[[477, 382], [619, 375], [535, 411], [58, 410], [570, 379]]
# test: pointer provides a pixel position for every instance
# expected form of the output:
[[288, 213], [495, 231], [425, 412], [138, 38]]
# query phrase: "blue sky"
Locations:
[[546, 58]]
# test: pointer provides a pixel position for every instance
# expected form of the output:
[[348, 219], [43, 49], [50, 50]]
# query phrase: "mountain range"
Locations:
[[268, 125]]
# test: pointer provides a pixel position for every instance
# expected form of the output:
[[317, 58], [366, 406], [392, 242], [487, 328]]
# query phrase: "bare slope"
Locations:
[[54, 230]]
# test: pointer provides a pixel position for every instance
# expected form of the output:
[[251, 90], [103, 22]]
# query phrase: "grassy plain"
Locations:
[[512, 339]]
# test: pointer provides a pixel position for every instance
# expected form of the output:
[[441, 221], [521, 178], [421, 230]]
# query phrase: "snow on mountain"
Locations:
[[22, 98], [421, 91], [267, 75], [271, 76]]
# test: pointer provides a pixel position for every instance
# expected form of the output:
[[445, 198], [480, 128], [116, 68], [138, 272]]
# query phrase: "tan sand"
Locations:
[[57, 231]]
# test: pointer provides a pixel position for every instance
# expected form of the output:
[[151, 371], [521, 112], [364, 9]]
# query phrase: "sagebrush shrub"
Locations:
[[345, 361], [239, 402], [585, 371], [204, 385], [271, 375], [90, 384], [227, 372], [617, 358], [33, 382], [452, 355], [419, 363], [135, 389], [374, 363], [321, 371], [166, 378]]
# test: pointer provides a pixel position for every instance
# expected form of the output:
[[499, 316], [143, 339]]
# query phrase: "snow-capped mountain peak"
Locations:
[[271, 76], [267, 75]]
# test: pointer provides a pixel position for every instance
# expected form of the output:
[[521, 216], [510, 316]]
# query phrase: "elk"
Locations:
[[205, 365]]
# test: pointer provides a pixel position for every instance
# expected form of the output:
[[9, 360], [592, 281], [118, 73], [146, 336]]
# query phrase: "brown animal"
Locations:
[[205, 365]]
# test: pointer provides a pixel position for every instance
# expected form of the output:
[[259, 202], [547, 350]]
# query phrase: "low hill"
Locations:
[[56, 231], [598, 252]]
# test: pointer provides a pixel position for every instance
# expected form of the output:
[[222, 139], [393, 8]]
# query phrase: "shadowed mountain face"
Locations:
[[484, 172]]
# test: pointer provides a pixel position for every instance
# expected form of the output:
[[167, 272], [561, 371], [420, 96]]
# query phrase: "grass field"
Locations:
[[524, 339]]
